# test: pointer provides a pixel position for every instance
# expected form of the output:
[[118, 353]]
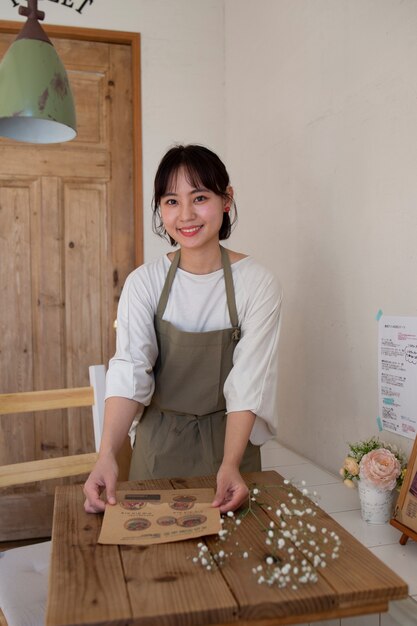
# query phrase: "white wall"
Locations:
[[182, 72], [321, 119]]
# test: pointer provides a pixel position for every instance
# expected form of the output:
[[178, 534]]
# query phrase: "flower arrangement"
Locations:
[[294, 547], [380, 464]]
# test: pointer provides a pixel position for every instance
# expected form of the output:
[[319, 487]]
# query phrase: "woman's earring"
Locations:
[[226, 209]]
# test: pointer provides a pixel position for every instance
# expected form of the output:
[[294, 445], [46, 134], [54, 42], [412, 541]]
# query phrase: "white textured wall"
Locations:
[[182, 72], [321, 120]]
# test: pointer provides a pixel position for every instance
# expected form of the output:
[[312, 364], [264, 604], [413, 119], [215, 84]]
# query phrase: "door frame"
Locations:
[[117, 37]]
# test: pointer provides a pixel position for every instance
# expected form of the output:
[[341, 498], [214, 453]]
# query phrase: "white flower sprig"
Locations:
[[208, 560], [296, 547]]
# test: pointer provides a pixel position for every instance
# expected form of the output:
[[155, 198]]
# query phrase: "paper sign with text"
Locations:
[[397, 365]]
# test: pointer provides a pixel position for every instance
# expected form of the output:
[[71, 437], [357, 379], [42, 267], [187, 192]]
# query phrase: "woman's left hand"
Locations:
[[231, 489]]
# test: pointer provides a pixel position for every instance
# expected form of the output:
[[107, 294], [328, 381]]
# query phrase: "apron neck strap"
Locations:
[[228, 279], [230, 290], [168, 284]]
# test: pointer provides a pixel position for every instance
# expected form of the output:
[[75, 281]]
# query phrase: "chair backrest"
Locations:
[[45, 469]]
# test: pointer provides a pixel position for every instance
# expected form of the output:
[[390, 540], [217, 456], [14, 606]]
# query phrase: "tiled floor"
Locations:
[[343, 504]]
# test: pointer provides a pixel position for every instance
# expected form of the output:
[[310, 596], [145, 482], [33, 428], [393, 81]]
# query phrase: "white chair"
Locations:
[[24, 570]]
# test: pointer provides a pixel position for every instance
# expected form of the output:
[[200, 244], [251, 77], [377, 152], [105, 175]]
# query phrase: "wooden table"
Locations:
[[160, 585]]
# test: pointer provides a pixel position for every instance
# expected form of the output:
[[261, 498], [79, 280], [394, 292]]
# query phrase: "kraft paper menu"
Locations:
[[149, 517]]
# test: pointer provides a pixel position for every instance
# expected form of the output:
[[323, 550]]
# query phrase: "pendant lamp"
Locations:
[[36, 103]]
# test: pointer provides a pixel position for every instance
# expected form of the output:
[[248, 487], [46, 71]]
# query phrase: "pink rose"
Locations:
[[380, 468]]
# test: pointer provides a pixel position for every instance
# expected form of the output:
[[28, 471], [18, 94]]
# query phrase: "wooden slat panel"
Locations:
[[85, 250], [48, 317], [152, 579], [18, 198], [323, 617], [71, 567], [45, 400], [120, 187], [45, 469], [89, 91], [137, 150], [165, 585], [90, 56], [44, 160], [34, 514]]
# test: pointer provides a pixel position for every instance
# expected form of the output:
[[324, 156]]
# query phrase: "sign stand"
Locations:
[[407, 533], [405, 514]]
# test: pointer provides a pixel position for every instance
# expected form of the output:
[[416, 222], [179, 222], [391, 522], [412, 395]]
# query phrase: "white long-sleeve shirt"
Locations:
[[198, 303]]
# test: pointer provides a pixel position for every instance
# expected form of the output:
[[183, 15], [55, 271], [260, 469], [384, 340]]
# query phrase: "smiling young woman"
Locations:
[[197, 344]]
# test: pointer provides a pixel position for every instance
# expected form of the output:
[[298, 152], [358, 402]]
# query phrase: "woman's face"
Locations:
[[192, 216]]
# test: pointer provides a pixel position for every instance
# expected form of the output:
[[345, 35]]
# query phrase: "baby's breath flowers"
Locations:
[[204, 556], [208, 560], [295, 546]]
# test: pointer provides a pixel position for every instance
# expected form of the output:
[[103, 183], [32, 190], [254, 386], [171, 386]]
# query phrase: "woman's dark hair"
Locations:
[[202, 168]]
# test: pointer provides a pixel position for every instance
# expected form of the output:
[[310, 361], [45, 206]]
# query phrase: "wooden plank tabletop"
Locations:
[[161, 585]]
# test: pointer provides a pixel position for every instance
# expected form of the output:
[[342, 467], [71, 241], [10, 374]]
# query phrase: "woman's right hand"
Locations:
[[103, 476]]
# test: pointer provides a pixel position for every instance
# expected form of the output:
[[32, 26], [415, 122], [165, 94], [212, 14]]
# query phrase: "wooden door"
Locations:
[[67, 243]]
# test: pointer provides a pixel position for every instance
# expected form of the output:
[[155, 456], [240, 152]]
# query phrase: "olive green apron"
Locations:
[[182, 431]]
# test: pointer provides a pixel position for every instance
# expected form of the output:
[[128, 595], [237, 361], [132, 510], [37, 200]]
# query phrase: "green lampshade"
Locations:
[[36, 103]]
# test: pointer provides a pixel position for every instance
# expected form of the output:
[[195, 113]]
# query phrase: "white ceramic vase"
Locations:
[[377, 505]]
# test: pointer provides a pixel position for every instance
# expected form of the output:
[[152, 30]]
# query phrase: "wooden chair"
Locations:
[[24, 570]]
